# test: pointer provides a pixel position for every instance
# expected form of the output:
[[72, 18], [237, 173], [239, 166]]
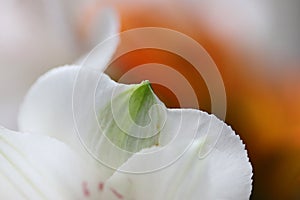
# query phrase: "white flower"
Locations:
[[189, 154]]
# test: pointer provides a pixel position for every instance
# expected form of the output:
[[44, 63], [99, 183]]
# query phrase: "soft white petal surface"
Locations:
[[69, 103], [39, 167], [48, 110], [215, 166]]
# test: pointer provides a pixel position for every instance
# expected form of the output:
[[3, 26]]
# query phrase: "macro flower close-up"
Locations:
[[112, 100]]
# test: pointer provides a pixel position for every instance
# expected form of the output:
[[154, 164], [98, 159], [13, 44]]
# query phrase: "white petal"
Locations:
[[104, 34], [47, 108], [73, 103], [215, 166], [39, 167]]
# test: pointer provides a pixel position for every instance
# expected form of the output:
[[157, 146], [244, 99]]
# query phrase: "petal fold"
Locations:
[[222, 172]]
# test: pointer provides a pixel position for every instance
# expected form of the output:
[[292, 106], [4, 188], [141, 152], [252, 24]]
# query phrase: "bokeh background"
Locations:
[[255, 45]]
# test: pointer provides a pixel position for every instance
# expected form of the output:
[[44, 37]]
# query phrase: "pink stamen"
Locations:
[[117, 194], [101, 186], [85, 189]]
